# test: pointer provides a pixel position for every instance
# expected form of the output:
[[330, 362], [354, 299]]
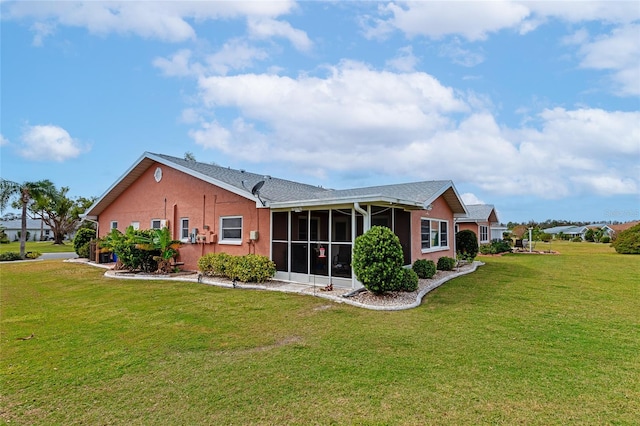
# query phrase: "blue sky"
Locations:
[[531, 106]]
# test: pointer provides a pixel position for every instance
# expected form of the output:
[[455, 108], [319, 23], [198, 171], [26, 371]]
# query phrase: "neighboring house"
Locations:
[[483, 221], [612, 230], [308, 231], [571, 231], [37, 230]]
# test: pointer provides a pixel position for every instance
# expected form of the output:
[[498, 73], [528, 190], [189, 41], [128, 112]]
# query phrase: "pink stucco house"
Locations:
[[308, 231], [483, 221]]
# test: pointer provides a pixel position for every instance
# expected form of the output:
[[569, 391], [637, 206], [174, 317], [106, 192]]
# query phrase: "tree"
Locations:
[[60, 212], [25, 193]]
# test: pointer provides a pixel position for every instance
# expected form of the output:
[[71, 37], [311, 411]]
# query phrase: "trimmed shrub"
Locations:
[[409, 280], [83, 236], [424, 268], [446, 263], [466, 245], [377, 260], [628, 241], [32, 254], [252, 268], [9, 256], [249, 268], [605, 240], [216, 264], [576, 240], [83, 251], [495, 247]]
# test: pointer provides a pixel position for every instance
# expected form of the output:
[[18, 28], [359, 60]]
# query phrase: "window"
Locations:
[[231, 230], [135, 225], [114, 224], [484, 233], [434, 234], [156, 223], [184, 228]]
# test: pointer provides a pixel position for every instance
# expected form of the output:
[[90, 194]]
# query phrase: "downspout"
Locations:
[[455, 251], [365, 228], [365, 216]]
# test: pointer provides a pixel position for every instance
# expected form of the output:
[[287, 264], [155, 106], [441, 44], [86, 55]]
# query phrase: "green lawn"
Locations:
[[527, 339], [39, 246]]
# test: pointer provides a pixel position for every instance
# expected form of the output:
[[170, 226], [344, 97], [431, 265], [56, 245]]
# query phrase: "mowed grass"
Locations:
[[527, 339], [39, 246]]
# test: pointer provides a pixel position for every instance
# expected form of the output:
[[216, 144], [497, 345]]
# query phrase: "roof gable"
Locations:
[[480, 213], [281, 193]]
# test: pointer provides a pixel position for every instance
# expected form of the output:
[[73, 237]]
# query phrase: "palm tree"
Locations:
[[24, 192]]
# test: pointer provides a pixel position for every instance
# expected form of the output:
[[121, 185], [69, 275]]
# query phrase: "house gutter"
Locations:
[[365, 216]]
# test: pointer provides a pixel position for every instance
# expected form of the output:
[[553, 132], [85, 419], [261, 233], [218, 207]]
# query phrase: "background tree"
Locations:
[[24, 194], [59, 211]]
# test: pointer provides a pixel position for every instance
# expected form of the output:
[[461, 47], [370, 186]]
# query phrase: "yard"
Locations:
[[527, 339], [39, 246]]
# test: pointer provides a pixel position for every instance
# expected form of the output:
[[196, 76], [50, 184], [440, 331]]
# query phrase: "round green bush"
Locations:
[[409, 280], [466, 245], [83, 236], [628, 241], [605, 240], [32, 254], [424, 268], [377, 260], [446, 263]]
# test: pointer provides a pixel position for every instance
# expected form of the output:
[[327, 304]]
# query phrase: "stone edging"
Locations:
[[287, 287]]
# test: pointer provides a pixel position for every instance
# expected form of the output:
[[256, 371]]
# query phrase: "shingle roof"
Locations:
[[281, 193], [480, 213]]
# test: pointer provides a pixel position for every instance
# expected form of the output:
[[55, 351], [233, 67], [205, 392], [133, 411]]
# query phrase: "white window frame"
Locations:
[[184, 231], [159, 221], [114, 224], [436, 232], [484, 233], [233, 241], [135, 225]]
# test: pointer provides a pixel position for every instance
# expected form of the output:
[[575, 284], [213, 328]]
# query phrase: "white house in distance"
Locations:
[[37, 230]]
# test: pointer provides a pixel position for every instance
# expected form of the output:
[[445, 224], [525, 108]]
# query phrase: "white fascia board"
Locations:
[[321, 202], [444, 189]]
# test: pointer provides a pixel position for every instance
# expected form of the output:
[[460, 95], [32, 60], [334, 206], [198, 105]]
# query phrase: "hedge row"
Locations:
[[248, 268]]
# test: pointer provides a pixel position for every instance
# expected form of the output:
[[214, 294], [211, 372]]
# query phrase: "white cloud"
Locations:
[[262, 28], [619, 52], [470, 199], [49, 143], [3, 141], [471, 20], [409, 125], [163, 20], [405, 61], [460, 55]]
